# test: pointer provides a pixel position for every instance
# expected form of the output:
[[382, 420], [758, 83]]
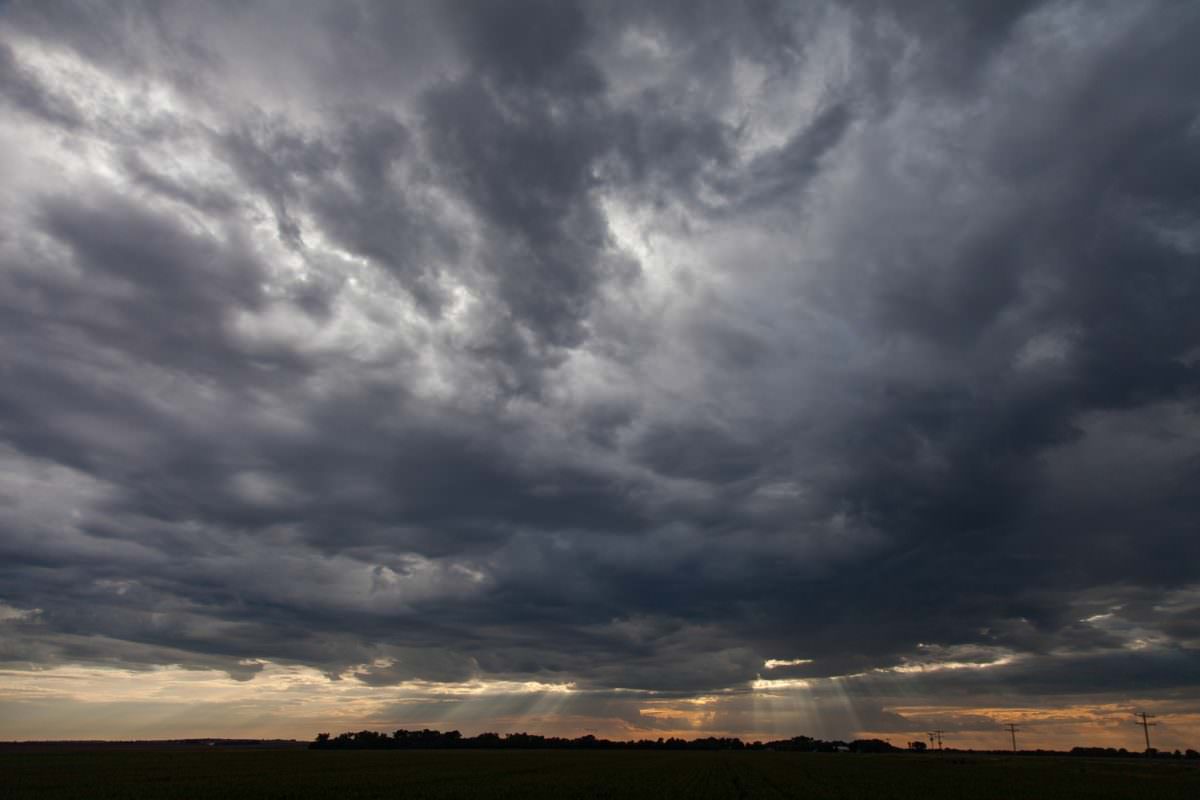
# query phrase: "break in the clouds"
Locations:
[[754, 368]]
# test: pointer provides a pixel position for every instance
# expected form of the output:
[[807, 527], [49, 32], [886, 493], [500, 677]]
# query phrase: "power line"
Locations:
[[1012, 730], [936, 734], [1146, 726]]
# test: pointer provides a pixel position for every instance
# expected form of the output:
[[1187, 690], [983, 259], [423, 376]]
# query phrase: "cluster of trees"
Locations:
[[430, 739], [449, 740]]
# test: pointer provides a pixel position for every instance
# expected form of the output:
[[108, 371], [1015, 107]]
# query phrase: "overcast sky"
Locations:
[[632, 368]]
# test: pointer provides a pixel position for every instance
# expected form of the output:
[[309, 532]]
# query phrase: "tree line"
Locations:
[[427, 739], [450, 740]]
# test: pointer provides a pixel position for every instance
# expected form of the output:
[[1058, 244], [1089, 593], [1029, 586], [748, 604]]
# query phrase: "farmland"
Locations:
[[208, 773]]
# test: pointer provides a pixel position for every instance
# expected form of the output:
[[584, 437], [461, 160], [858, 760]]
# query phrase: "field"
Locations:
[[568, 774]]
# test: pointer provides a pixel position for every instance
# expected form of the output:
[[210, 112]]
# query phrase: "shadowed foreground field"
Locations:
[[566, 774]]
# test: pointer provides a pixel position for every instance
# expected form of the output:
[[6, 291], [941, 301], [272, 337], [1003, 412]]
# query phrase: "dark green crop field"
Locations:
[[566, 774]]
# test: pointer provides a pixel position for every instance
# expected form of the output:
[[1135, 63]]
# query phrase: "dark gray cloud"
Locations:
[[608, 344]]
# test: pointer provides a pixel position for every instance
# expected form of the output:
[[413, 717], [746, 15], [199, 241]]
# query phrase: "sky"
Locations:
[[628, 368]]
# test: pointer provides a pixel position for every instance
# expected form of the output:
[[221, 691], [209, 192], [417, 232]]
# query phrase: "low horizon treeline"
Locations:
[[427, 739], [437, 740]]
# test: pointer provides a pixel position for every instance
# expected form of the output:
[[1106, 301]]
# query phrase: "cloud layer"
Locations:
[[615, 347]]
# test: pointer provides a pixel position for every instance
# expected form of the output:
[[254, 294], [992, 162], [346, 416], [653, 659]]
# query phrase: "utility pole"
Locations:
[[936, 734], [1146, 726], [1012, 730]]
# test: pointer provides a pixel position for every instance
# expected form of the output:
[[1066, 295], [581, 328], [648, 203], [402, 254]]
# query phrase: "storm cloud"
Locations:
[[606, 352]]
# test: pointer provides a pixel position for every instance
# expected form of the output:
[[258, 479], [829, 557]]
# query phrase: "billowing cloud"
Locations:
[[692, 367]]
